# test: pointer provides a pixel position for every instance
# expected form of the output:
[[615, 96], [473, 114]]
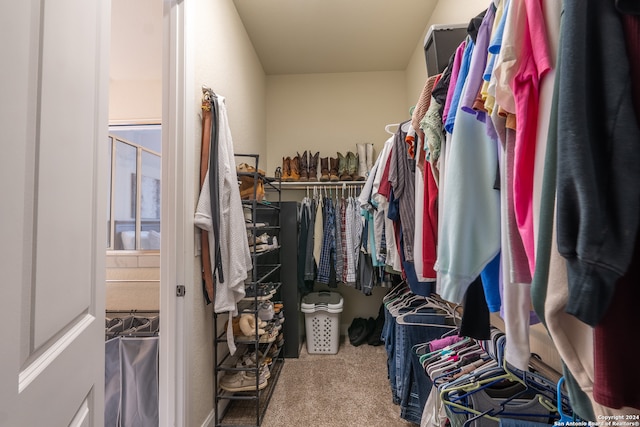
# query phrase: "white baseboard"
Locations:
[[210, 420]]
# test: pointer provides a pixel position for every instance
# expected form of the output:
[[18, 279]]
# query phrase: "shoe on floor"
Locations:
[[375, 338], [358, 331]]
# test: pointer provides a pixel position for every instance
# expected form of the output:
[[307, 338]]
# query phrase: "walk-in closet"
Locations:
[[321, 213]]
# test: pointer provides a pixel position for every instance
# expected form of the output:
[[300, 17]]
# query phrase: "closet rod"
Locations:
[[305, 185], [132, 311]]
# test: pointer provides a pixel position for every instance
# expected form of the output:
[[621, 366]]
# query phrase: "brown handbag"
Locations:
[[251, 184]]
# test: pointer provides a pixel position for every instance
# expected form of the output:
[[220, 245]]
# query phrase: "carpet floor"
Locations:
[[347, 389]]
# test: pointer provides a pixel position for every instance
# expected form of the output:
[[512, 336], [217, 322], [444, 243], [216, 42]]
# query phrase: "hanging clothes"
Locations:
[[235, 258], [310, 266], [209, 108], [327, 265], [339, 243]]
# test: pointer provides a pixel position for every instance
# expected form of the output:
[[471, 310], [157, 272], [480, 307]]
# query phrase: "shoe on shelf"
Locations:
[[280, 340], [264, 371], [313, 166], [249, 360], [324, 169], [260, 248], [265, 311], [263, 238], [269, 337], [249, 326], [250, 224], [261, 293], [274, 325], [246, 168], [243, 381], [263, 243]]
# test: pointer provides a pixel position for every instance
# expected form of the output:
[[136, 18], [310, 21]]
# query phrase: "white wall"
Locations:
[[135, 101], [135, 75], [331, 112], [224, 60]]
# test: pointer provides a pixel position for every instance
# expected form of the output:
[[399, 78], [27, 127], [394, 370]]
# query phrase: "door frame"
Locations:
[[177, 210]]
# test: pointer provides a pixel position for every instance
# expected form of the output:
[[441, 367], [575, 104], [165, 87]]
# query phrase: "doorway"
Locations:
[[133, 256]]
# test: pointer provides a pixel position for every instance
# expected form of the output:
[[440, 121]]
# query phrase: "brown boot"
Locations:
[[352, 167], [333, 171], [313, 167], [343, 169], [286, 169], [304, 166], [324, 169], [295, 169]]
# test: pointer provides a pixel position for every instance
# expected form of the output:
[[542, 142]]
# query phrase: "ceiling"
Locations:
[[289, 36], [334, 36]]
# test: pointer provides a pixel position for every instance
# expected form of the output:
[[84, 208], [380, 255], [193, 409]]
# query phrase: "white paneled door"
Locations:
[[53, 132]]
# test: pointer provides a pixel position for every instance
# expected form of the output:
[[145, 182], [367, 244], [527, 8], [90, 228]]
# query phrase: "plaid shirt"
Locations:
[[344, 241], [339, 240], [328, 251]]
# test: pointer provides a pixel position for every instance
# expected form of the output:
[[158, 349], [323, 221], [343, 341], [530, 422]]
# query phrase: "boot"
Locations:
[[304, 166], [352, 163], [295, 169], [362, 160], [286, 169], [313, 167], [333, 171], [343, 168], [369, 161], [324, 169]]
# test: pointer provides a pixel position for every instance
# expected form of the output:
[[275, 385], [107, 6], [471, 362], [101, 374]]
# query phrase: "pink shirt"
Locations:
[[455, 69], [429, 223], [533, 62]]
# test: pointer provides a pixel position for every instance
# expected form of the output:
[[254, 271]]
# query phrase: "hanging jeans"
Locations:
[[415, 384], [389, 338]]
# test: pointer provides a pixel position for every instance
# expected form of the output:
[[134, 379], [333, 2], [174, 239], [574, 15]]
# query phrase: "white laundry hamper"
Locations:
[[322, 320]]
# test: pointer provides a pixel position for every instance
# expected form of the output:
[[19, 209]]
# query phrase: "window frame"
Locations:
[[138, 220]]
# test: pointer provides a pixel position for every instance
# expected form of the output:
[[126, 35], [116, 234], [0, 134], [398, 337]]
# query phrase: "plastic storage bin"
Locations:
[[322, 321]]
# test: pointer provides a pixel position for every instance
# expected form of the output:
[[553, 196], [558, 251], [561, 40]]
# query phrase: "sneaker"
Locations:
[[264, 370], [263, 238], [265, 311], [243, 381], [249, 224], [280, 340], [249, 360], [263, 293], [270, 336]]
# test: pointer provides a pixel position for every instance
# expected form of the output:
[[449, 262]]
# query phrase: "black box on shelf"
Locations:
[[440, 43]]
